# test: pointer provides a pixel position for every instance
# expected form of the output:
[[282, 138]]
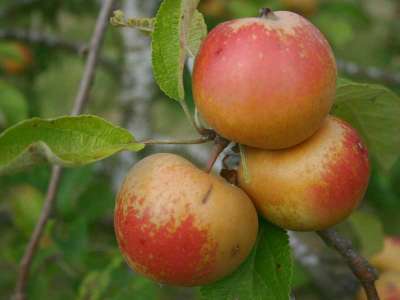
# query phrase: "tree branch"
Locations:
[[26, 260], [328, 272], [200, 140], [79, 104], [360, 267], [33, 37], [52, 41], [373, 73], [14, 6], [30, 250], [95, 44]]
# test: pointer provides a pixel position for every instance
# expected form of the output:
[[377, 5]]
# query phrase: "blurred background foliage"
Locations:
[[78, 257]]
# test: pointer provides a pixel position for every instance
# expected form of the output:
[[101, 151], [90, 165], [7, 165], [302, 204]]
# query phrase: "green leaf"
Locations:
[[300, 276], [369, 231], [101, 190], [68, 141], [78, 189], [197, 32], [117, 282], [142, 288], [95, 283], [26, 205], [13, 107], [374, 111], [265, 275], [10, 51], [75, 182], [169, 44], [73, 241]]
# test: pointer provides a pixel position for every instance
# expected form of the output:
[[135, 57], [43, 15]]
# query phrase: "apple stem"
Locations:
[[243, 159], [266, 12], [227, 172], [220, 144], [366, 274]]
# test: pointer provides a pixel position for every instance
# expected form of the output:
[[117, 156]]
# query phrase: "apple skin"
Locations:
[[266, 82], [387, 285], [389, 258], [179, 225], [313, 185]]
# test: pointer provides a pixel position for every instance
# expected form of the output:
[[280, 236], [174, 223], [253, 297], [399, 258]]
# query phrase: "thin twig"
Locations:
[[372, 73], [35, 37], [14, 6], [327, 270], [53, 41], [190, 117], [79, 104], [31, 37], [200, 140], [95, 44], [360, 267], [30, 250]]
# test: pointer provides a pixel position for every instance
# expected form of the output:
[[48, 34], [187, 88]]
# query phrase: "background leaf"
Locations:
[[96, 282], [170, 39], [197, 32], [10, 51], [13, 106], [265, 275], [116, 281], [369, 232], [375, 111], [26, 204], [69, 141]]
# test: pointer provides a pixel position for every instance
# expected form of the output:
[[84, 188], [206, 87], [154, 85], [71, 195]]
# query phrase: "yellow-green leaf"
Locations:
[[170, 41], [67, 141], [375, 111]]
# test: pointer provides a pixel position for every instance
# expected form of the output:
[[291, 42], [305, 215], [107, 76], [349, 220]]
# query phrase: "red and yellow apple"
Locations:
[[389, 258], [179, 225], [313, 185], [387, 285], [266, 82]]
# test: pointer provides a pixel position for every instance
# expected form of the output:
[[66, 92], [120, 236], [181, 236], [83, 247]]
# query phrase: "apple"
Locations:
[[388, 287], [266, 82], [313, 185], [389, 258], [179, 225]]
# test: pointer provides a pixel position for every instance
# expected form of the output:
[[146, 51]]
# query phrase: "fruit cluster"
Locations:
[[267, 83]]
